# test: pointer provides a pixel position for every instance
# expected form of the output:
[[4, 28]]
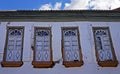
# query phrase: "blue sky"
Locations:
[[27, 4], [58, 4]]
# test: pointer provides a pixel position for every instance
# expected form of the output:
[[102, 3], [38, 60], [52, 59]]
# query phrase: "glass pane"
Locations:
[[42, 45], [71, 48], [103, 45], [14, 45]]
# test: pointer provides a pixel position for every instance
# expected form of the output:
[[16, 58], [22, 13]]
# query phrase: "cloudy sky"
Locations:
[[58, 4]]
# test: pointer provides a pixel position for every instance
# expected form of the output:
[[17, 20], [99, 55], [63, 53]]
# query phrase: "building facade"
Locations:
[[60, 42]]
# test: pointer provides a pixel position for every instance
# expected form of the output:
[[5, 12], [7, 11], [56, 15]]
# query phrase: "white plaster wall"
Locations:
[[87, 44]]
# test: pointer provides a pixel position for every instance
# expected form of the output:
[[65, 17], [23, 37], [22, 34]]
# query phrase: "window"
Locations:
[[71, 50], [104, 48], [42, 47], [13, 47]]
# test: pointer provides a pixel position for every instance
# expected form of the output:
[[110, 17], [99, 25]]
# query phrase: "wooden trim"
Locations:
[[11, 64], [71, 63], [42, 64], [5, 63], [108, 63]]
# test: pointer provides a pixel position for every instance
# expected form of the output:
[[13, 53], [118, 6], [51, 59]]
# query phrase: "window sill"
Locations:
[[73, 63], [108, 63], [43, 64], [11, 64]]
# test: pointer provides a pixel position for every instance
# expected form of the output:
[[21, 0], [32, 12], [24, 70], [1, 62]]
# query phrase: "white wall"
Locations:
[[87, 44]]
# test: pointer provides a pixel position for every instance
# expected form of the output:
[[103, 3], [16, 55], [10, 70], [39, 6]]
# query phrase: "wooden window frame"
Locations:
[[42, 64], [71, 63], [5, 63], [108, 63]]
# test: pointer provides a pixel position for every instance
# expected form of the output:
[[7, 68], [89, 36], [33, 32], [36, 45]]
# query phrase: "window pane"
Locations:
[[42, 45], [105, 53], [71, 48], [14, 45], [103, 45]]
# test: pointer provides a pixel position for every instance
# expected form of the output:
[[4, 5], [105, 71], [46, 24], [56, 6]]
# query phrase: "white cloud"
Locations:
[[83, 5], [46, 7], [57, 6], [115, 4], [49, 6], [106, 4], [93, 4], [76, 4]]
